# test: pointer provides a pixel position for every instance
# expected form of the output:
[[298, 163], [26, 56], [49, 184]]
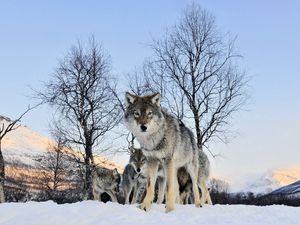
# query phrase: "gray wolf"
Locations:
[[105, 180], [185, 186], [164, 141], [132, 178]]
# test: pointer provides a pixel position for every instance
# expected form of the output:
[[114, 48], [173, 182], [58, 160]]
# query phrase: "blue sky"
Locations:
[[35, 34]]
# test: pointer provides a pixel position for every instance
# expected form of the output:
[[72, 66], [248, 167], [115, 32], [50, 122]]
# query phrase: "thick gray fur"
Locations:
[[129, 183], [184, 180], [105, 180], [134, 179]]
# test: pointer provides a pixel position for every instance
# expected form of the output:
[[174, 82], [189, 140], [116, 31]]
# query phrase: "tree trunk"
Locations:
[[88, 189], [198, 131], [88, 183], [2, 177]]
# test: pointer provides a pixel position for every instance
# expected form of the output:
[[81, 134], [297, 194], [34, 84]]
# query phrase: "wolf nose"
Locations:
[[143, 128], [138, 170]]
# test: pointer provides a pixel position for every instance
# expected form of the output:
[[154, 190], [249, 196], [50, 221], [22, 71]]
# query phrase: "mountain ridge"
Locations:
[[272, 180]]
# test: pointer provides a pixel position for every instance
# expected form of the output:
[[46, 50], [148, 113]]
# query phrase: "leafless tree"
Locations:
[[16, 184], [219, 191], [195, 69], [82, 90], [58, 167], [6, 127], [219, 186]]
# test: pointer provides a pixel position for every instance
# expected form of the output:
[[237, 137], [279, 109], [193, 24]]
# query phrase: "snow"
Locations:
[[92, 213]]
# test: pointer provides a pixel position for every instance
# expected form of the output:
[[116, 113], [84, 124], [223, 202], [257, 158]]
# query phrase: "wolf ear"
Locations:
[[115, 171], [155, 99], [129, 98], [131, 150]]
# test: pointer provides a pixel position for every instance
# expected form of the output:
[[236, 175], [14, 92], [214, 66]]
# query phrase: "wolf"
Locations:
[[164, 141], [133, 178], [185, 186], [105, 180]]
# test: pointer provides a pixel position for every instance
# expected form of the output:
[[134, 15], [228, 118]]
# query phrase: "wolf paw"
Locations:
[[198, 205], [169, 208], [145, 206]]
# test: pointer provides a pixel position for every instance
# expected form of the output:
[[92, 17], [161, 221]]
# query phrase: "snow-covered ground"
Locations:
[[98, 213]]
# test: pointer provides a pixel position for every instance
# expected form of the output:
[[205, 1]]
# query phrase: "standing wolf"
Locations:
[[133, 178], [184, 180], [164, 140]]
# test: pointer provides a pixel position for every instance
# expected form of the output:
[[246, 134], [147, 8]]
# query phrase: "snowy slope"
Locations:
[[23, 145], [97, 213]]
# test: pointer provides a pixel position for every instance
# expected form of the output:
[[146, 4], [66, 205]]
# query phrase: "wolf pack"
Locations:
[[168, 167]]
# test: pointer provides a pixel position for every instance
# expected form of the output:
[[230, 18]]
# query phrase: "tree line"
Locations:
[[220, 194]]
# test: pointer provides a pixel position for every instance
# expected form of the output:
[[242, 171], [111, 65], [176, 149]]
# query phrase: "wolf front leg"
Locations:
[[152, 166], [161, 181], [170, 176], [127, 194], [135, 191]]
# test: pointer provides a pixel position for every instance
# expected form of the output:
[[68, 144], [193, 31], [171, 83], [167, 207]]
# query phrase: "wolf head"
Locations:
[[143, 114], [137, 159]]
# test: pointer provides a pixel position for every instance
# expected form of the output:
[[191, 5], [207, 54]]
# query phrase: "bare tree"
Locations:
[[219, 191], [16, 188], [82, 90], [57, 167], [219, 186], [195, 69], [5, 128]]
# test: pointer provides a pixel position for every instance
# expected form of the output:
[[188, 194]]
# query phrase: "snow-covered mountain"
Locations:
[[273, 180], [292, 190], [24, 144], [21, 148]]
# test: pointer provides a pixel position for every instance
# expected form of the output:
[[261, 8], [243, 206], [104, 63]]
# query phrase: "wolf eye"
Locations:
[[136, 114], [150, 113]]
